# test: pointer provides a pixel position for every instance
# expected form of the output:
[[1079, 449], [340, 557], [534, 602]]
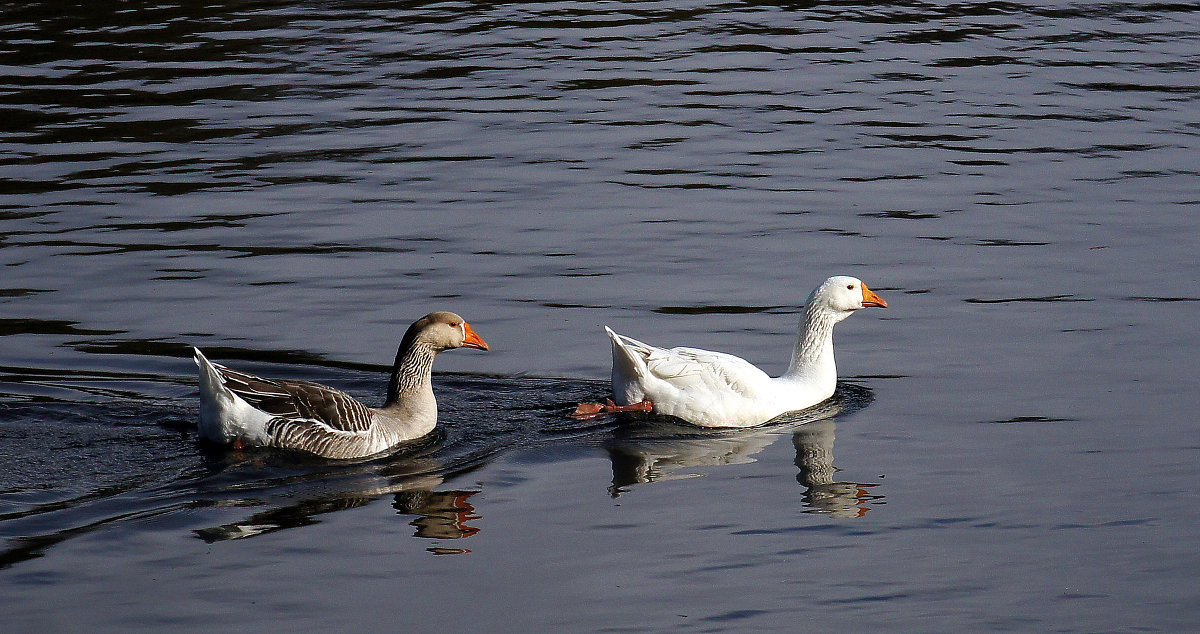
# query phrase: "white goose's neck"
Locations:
[[812, 358]]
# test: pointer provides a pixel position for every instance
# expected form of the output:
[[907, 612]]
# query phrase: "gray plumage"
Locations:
[[246, 410]]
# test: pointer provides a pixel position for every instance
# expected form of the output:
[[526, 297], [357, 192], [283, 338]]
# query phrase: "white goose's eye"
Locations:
[[850, 286]]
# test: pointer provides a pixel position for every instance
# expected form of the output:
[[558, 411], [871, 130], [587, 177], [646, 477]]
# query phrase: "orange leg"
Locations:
[[587, 411]]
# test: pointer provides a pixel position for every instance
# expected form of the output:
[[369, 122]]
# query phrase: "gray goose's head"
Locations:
[[443, 331]]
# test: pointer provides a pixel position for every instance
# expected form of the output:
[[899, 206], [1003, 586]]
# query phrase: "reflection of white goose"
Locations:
[[713, 389], [246, 410], [814, 456], [658, 451], [654, 459]]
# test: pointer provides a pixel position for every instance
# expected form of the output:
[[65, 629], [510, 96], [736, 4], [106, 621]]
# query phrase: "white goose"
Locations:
[[713, 389], [248, 411]]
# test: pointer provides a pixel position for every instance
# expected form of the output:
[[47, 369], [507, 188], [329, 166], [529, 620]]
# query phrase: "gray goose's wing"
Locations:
[[299, 400]]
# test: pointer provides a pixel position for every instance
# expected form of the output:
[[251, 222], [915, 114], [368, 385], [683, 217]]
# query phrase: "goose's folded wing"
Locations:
[[299, 399], [695, 369]]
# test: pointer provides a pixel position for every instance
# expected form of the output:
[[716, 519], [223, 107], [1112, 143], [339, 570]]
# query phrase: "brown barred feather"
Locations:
[[301, 399]]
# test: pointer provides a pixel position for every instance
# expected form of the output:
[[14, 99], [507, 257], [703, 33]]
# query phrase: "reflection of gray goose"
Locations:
[[713, 389], [300, 499], [246, 410], [440, 514]]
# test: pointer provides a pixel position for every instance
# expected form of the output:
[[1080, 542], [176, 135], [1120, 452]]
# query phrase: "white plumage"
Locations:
[[714, 389]]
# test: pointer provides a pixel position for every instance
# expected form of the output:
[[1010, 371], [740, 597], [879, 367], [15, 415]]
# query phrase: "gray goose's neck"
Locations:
[[412, 375], [812, 358]]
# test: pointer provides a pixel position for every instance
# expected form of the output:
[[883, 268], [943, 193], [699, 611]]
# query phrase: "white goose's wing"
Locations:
[[707, 374]]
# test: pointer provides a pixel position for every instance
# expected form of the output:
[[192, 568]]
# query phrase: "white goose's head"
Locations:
[[443, 331], [842, 295]]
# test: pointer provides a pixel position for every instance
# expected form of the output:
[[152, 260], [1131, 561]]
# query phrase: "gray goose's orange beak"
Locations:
[[871, 300], [472, 339]]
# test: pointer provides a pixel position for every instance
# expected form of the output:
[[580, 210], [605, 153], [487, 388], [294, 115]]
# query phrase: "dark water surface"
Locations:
[[288, 185]]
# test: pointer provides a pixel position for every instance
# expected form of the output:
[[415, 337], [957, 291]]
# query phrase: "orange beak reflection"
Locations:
[[871, 300], [472, 340]]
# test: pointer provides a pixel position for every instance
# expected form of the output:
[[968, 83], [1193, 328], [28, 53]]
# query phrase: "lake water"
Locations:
[[1014, 445]]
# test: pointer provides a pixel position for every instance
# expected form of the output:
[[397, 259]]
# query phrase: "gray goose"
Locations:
[[244, 410]]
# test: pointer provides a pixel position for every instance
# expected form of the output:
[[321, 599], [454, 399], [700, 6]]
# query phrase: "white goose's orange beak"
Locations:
[[471, 339], [871, 300]]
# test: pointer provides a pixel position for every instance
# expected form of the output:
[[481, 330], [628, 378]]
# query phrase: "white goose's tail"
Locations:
[[628, 368]]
